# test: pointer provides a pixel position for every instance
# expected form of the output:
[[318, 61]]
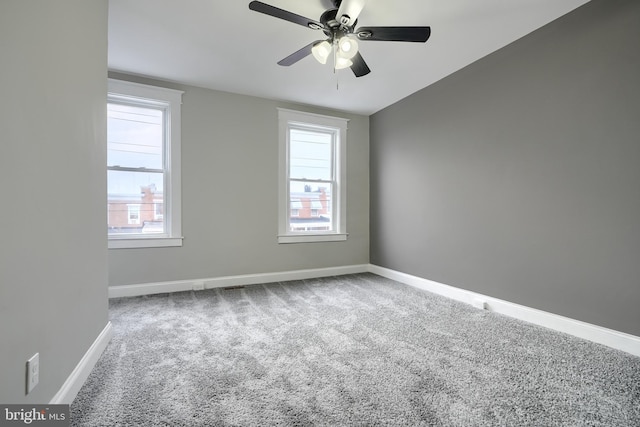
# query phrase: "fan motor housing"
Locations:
[[331, 24]]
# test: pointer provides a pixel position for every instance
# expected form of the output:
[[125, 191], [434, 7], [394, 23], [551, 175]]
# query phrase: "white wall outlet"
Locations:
[[33, 372], [480, 303]]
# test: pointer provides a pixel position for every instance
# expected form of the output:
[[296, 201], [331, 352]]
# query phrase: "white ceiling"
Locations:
[[225, 46]]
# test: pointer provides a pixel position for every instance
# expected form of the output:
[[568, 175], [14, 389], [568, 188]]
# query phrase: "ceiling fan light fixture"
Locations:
[[321, 51], [347, 47], [342, 63], [339, 26]]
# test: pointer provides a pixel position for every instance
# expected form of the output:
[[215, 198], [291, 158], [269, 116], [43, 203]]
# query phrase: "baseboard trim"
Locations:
[[74, 382], [241, 280], [598, 334]]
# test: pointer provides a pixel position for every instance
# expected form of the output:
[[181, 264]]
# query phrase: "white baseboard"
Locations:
[[598, 334], [241, 280], [74, 382], [609, 337]]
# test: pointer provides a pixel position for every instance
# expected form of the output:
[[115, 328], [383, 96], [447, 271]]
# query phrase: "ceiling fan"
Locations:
[[338, 24]]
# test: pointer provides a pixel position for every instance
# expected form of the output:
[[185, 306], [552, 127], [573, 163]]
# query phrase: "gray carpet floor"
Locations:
[[348, 350]]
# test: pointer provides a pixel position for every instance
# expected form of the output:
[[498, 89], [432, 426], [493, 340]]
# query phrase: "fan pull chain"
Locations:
[[335, 61]]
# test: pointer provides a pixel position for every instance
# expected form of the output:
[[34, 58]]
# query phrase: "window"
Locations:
[[312, 191], [143, 166], [134, 214], [158, 210]]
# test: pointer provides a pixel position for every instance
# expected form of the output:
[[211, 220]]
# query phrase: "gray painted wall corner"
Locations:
[[517, 177], [53, 290], [229, 199]]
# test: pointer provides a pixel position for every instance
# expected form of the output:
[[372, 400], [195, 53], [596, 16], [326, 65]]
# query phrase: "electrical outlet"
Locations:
[[33, 372], [480, 303]]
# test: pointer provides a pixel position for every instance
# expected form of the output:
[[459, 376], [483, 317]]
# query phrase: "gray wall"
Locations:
[[53, 258], [230, 187], [519, 176]]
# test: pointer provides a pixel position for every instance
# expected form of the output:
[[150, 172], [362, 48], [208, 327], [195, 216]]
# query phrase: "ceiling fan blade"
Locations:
[[359, 67], [298, 55], [394, 34], [349, 11], [267, 9]]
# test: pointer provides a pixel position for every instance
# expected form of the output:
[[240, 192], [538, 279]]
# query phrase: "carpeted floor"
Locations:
[[348, 350]]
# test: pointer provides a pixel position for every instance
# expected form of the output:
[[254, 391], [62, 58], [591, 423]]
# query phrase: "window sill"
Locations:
[[144, 242], [310, 238]]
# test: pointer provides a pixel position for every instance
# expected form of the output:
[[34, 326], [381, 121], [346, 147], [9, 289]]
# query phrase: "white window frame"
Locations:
[[171, 101], [338, 126]]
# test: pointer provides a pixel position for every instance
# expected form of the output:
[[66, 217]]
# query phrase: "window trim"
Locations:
[[171, 101], [287, 118]]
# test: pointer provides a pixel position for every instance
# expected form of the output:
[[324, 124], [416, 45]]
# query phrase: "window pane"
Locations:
[[134, 136], [310, 154], [310, 206], [135, 202]]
